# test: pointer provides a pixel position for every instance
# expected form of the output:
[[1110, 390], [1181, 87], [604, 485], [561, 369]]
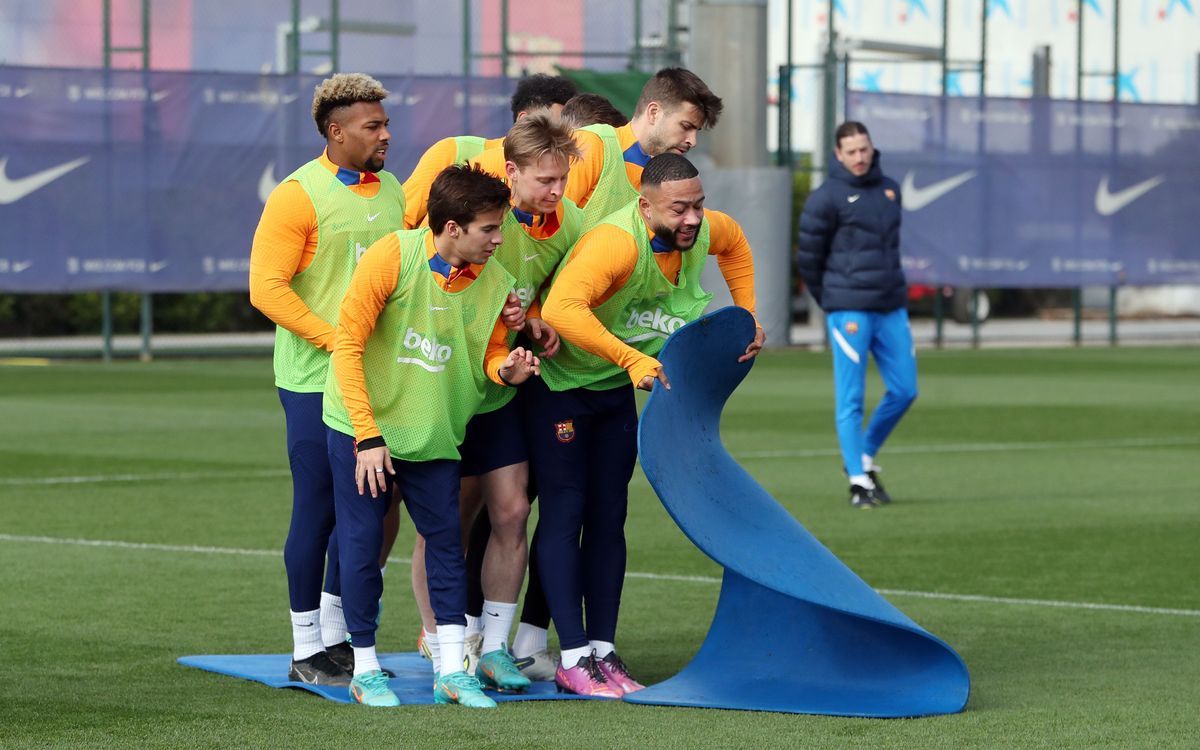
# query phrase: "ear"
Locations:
[[644, 207], [453, 229], [653, 111], [510, 170], [334, 131]]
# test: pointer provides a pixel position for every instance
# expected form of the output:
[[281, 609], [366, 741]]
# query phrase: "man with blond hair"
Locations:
[[539, 229], [314, 226]]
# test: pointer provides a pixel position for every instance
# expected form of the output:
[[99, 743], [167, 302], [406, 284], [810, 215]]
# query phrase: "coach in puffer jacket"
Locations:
[[849, 244], [850, 258]]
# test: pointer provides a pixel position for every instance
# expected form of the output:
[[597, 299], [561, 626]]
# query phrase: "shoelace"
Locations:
[[592, 667], [374, 681], [616, 664], [463, 681]]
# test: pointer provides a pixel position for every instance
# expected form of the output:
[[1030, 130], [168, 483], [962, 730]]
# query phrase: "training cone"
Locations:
[[795, 629]]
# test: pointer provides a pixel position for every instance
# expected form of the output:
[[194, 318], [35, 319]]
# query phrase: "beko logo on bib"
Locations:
[[662, 324], [434, 356]]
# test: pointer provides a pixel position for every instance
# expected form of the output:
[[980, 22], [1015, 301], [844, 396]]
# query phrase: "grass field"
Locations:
[[1028, 484]]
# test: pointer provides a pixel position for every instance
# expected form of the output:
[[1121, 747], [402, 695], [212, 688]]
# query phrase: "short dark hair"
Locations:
[[461, 192], [847, 129], [668, 167], [585, 109], [541, 90], [673, 87]]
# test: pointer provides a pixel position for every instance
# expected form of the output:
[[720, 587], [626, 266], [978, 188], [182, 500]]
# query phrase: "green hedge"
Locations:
[[23, 315]]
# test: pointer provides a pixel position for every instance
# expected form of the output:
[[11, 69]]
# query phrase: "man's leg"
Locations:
[[309, 537], [559, 434], [360, 538], [892, 347], [430, 490], [603, 544], [850, 334]]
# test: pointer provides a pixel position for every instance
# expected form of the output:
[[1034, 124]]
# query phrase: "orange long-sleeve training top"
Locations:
[[585, 173], [284, 245], [373, 282], [603, 262], [416, 188]]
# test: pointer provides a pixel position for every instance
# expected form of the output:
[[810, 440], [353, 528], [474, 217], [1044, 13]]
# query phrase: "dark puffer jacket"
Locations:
[[849, 242]]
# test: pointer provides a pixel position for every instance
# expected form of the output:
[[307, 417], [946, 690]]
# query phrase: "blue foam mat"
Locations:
[[825, 641], [413, 682]]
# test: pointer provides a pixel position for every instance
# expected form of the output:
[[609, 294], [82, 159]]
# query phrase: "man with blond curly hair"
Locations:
[[314, 227]]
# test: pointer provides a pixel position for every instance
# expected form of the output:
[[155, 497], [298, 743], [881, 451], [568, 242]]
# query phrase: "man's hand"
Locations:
[[513, 314], [374, 464], [519, 366], [648, 381], [755, 346], [544, 336]]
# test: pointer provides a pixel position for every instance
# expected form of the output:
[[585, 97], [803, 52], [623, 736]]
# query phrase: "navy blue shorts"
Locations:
[[493, 440]]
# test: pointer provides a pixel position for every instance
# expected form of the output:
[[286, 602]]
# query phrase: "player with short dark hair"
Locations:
[[849, 256], [313, 227], [419, 337], [628, 284], [674, 106], [582, 110]]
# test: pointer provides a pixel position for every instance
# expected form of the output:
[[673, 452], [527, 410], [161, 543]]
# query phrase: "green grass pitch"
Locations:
[[1022, 478]]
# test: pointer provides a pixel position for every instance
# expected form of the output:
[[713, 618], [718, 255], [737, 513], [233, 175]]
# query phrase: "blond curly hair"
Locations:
[[342, 90]]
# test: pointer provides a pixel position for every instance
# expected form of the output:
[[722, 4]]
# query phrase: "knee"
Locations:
[[906, 395], [510, 516]]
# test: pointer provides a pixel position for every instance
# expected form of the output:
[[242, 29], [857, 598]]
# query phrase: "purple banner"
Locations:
[[154, 182], [1038, 192]]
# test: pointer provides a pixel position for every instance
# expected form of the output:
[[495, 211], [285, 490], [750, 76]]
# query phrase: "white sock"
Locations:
[[365, 660], [497, 621], [333, 620], [435, 650], [451, 637], [571, 656], [869, 463], [602, 648], [474, 625], [529, 640], [862, 480], [306, 634]]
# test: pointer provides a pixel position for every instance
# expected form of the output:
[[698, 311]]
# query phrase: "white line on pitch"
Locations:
[[162, 476], [632, 574], [989, 447], [167, 476]]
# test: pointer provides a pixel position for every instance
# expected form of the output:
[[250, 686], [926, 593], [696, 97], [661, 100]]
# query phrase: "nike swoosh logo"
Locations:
[[916, 198], [531, 257], [438, 308], [1108, 203], [267, 182], [12, 190], [371, 218], [851, 198], [156, 267], [19, 267]]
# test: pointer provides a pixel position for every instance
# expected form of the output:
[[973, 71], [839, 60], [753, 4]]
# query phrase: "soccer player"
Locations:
[[538, 231], [623, 289], [535, 93], [419, 335], [582, 110], [673, 107], [313, 227], [849, 256]]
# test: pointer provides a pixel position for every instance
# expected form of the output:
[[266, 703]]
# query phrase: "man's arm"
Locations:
[[818, 223], [601, 263], [373, 282], [728, 242], [288, 221], [416, 188], [585, 173]]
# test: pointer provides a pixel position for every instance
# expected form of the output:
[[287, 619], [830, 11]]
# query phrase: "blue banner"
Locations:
[[155, 181], [1039, 192]]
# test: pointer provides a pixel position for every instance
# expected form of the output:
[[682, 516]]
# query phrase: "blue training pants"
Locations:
[[430, 492], [887, 337], [310, 539]]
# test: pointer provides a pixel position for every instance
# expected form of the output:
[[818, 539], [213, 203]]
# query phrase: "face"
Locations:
[[475, 242], [360, 136], [855, 152], [672, 129], [538, 188], [673, 211]]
